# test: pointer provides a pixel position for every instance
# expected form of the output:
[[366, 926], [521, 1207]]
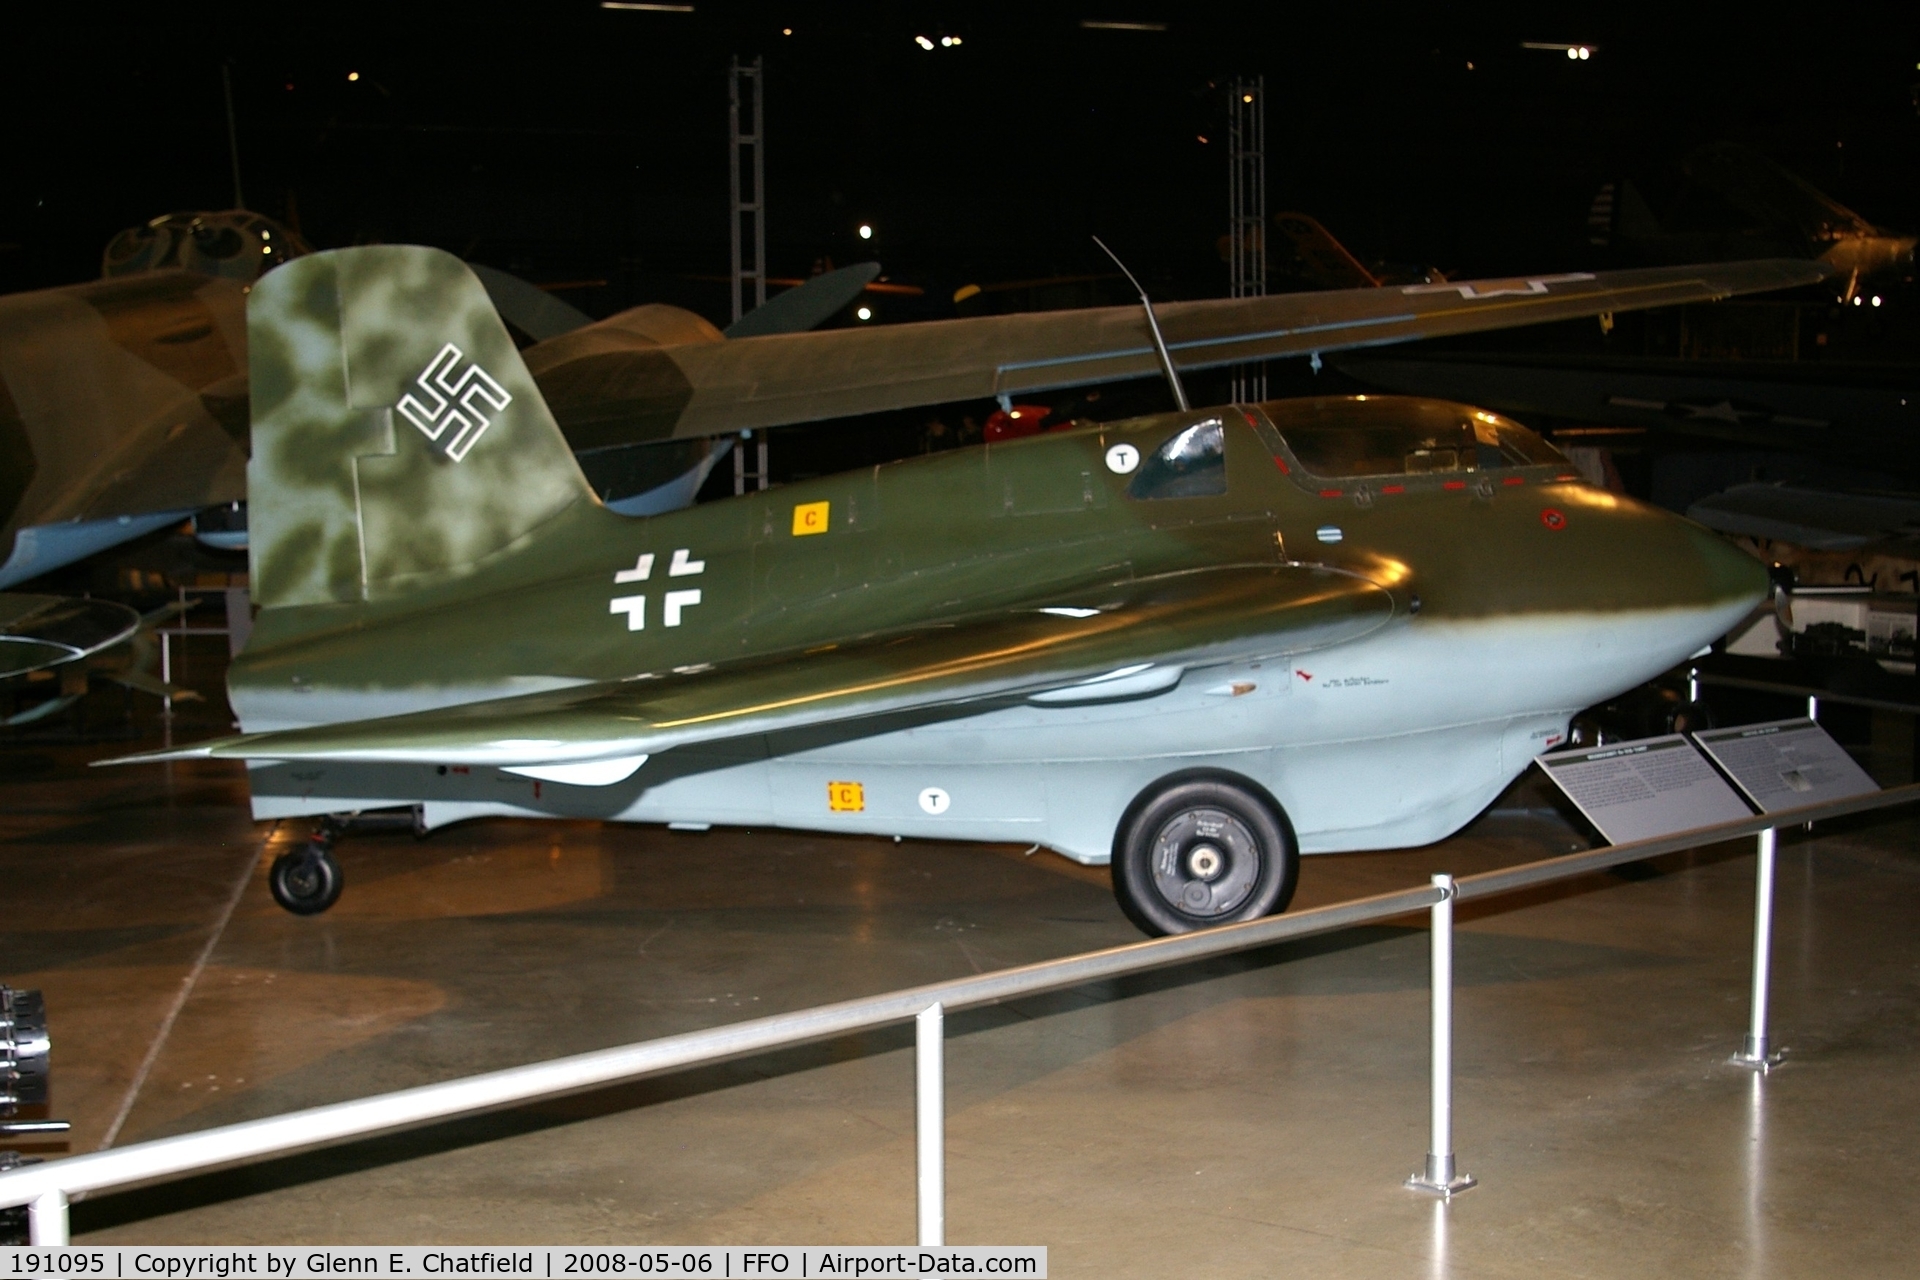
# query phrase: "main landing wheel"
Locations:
[[1201, 850], [306, 881]]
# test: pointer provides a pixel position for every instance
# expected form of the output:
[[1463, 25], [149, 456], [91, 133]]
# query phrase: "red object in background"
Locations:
[[1021, 420]]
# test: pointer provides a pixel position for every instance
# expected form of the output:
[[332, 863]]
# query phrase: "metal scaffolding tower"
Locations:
[[1247, 212], [749, 202]]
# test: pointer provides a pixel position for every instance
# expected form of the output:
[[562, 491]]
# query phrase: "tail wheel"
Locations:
[[307, 880], [1203, 850]]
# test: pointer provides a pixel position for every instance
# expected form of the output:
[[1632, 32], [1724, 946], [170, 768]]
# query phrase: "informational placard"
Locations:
[[1785, 764], [1639, 790]]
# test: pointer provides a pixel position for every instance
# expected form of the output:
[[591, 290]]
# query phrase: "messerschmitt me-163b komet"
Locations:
[[1197, 644]]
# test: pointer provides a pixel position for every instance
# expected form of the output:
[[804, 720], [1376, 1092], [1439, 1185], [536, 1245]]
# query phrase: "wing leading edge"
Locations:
[[1097, 640], [711, 387]]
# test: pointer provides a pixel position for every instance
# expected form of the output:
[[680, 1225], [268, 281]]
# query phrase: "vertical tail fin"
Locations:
[[398, 440]]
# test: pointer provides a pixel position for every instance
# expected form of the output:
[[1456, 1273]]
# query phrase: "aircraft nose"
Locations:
[[1727, 572], [1642, 559]]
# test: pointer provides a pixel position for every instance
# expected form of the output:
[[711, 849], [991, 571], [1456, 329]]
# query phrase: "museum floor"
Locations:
[[1249, 1118]]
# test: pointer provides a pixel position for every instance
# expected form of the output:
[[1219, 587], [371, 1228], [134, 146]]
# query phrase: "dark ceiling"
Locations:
[[569, 142]]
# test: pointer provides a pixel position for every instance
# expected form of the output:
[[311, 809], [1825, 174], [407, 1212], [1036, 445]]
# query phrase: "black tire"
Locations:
[[306, 881], [1197, 850]]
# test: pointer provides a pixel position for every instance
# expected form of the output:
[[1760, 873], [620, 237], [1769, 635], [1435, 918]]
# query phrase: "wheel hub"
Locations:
[[304, 878], [1205, 862]]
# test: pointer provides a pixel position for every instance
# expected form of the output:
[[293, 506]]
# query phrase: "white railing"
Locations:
[[48, 1188]]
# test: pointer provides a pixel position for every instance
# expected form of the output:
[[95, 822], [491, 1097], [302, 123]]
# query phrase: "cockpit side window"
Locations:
[[1391, 436], [1190, 464]]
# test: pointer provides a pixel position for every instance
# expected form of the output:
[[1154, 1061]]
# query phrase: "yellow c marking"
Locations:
[[810, 517], [846, 797]]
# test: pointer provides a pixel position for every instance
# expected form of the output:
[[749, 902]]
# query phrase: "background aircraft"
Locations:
[[1732, 202], [1198, 643]]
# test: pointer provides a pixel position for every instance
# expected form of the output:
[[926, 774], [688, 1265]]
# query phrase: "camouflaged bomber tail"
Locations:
[[398, 440]]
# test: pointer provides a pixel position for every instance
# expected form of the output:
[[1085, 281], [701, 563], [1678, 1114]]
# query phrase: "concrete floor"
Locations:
[[1247, 1118]]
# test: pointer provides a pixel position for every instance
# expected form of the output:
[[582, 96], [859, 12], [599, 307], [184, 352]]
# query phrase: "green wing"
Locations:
[[629, 379], [1093, 644]]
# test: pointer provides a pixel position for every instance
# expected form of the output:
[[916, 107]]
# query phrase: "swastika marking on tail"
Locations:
[[462, 402]]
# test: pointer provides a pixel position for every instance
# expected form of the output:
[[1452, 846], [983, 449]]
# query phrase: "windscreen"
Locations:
[[1191, 463], [1346, 436]]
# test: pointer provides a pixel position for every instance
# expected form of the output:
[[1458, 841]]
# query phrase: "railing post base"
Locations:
[[1441, 1178], [1754, 1055]]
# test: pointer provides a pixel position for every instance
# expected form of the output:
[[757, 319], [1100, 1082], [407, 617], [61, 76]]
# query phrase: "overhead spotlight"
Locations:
[[786, 31], [1202, 137], [1246, 97], [1876, 299], [1574, 52], [353, 75], [956, 42], [946, 42], [866, 231], [864, 313], [924, 43], [1857, 299], [267, 248]]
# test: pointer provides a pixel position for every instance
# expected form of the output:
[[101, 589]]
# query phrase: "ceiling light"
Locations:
[[865, 313], [353, 75], [866, 231], [924, 43]]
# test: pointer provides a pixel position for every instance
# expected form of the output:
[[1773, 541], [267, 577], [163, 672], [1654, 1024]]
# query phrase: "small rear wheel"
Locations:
[[1201, 850], [306, 881]]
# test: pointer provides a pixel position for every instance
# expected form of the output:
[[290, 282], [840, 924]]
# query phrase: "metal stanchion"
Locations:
[[1440, 1177], [47, 1218], [1756, 1054], [166, 670], [930, 1121]]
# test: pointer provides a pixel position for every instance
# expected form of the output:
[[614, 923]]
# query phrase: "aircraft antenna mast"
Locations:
[[1247, 212], [749, 201], [1153, 327]]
